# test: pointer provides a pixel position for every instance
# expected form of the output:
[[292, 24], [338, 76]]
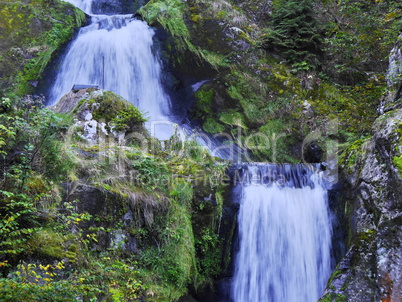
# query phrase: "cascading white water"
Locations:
[[84, 5], [284, 232], [116, 51], [285, 241]]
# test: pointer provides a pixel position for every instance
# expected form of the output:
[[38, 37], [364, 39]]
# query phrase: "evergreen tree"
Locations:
[[295, 32]]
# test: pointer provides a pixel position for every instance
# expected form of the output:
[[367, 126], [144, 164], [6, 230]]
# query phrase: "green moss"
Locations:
[[114, 110], [397, 161], [333, 297], [127, 118], [335, 274], [215, 59], [271, 142], [212, 126], [352, 154], [362, 240], [233, 118], [48, 243], [196, 18], [182, 191], [109, 105], [204, 100], [174, 264], [33, 32], [170, 15]]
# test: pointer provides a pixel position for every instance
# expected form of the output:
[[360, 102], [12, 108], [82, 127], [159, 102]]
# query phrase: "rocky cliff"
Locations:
[[372, 178]]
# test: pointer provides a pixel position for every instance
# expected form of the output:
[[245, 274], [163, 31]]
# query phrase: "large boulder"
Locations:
[[371, 269], [102, 113]]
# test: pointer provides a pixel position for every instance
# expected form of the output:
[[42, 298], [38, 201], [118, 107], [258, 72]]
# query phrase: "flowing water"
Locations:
[[284, 234], [284, 228], [115, 53]]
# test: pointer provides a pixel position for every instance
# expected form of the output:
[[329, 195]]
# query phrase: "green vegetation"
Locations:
[[113, 110], [333, 297], [275, 78], [31, 158], [170, 15], [360, 36], [397, 161], [353, 155], [51, 247], [310, 62], [295, 32], [32, 32]]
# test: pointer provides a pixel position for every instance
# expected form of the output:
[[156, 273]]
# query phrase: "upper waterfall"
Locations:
[[115, 53], [84, 5]]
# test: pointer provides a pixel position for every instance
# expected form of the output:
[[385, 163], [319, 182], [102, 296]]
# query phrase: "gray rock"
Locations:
[[371, 269], [395, 65], [394, 79]]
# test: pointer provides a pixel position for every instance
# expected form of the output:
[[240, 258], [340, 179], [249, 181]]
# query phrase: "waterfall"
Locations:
[[284, 221], [284, 235], [116, 51], [84, 5]]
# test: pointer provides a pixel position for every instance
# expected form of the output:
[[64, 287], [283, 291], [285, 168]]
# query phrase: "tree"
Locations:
[[295, 33]]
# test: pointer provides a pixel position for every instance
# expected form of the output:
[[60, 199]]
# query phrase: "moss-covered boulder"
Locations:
[[102, 113], [31, 33]]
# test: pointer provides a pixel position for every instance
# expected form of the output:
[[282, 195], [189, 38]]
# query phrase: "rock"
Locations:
[[395, 65], [106, 209], [187, 298], [69, 101], [313, 153], [394, 77], [97, 202], [96, 110], [371, 269]]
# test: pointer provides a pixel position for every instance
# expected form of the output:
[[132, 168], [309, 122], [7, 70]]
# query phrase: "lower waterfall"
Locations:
[[284, 235]]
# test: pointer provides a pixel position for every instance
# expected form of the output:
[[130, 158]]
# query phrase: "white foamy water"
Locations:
[[285, 243], [115, 53], [84, 5]]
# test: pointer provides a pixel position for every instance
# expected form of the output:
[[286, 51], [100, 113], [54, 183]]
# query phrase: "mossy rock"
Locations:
[[353, 155], [32, 32], [49, 244], [213, 126], [105, 106], [333, 297], [112, 108]]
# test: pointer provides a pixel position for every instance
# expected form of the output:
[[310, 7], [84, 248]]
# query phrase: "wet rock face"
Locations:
[[313, 153], [393, 99], [117, 6], [389, 260], [372, 268]]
